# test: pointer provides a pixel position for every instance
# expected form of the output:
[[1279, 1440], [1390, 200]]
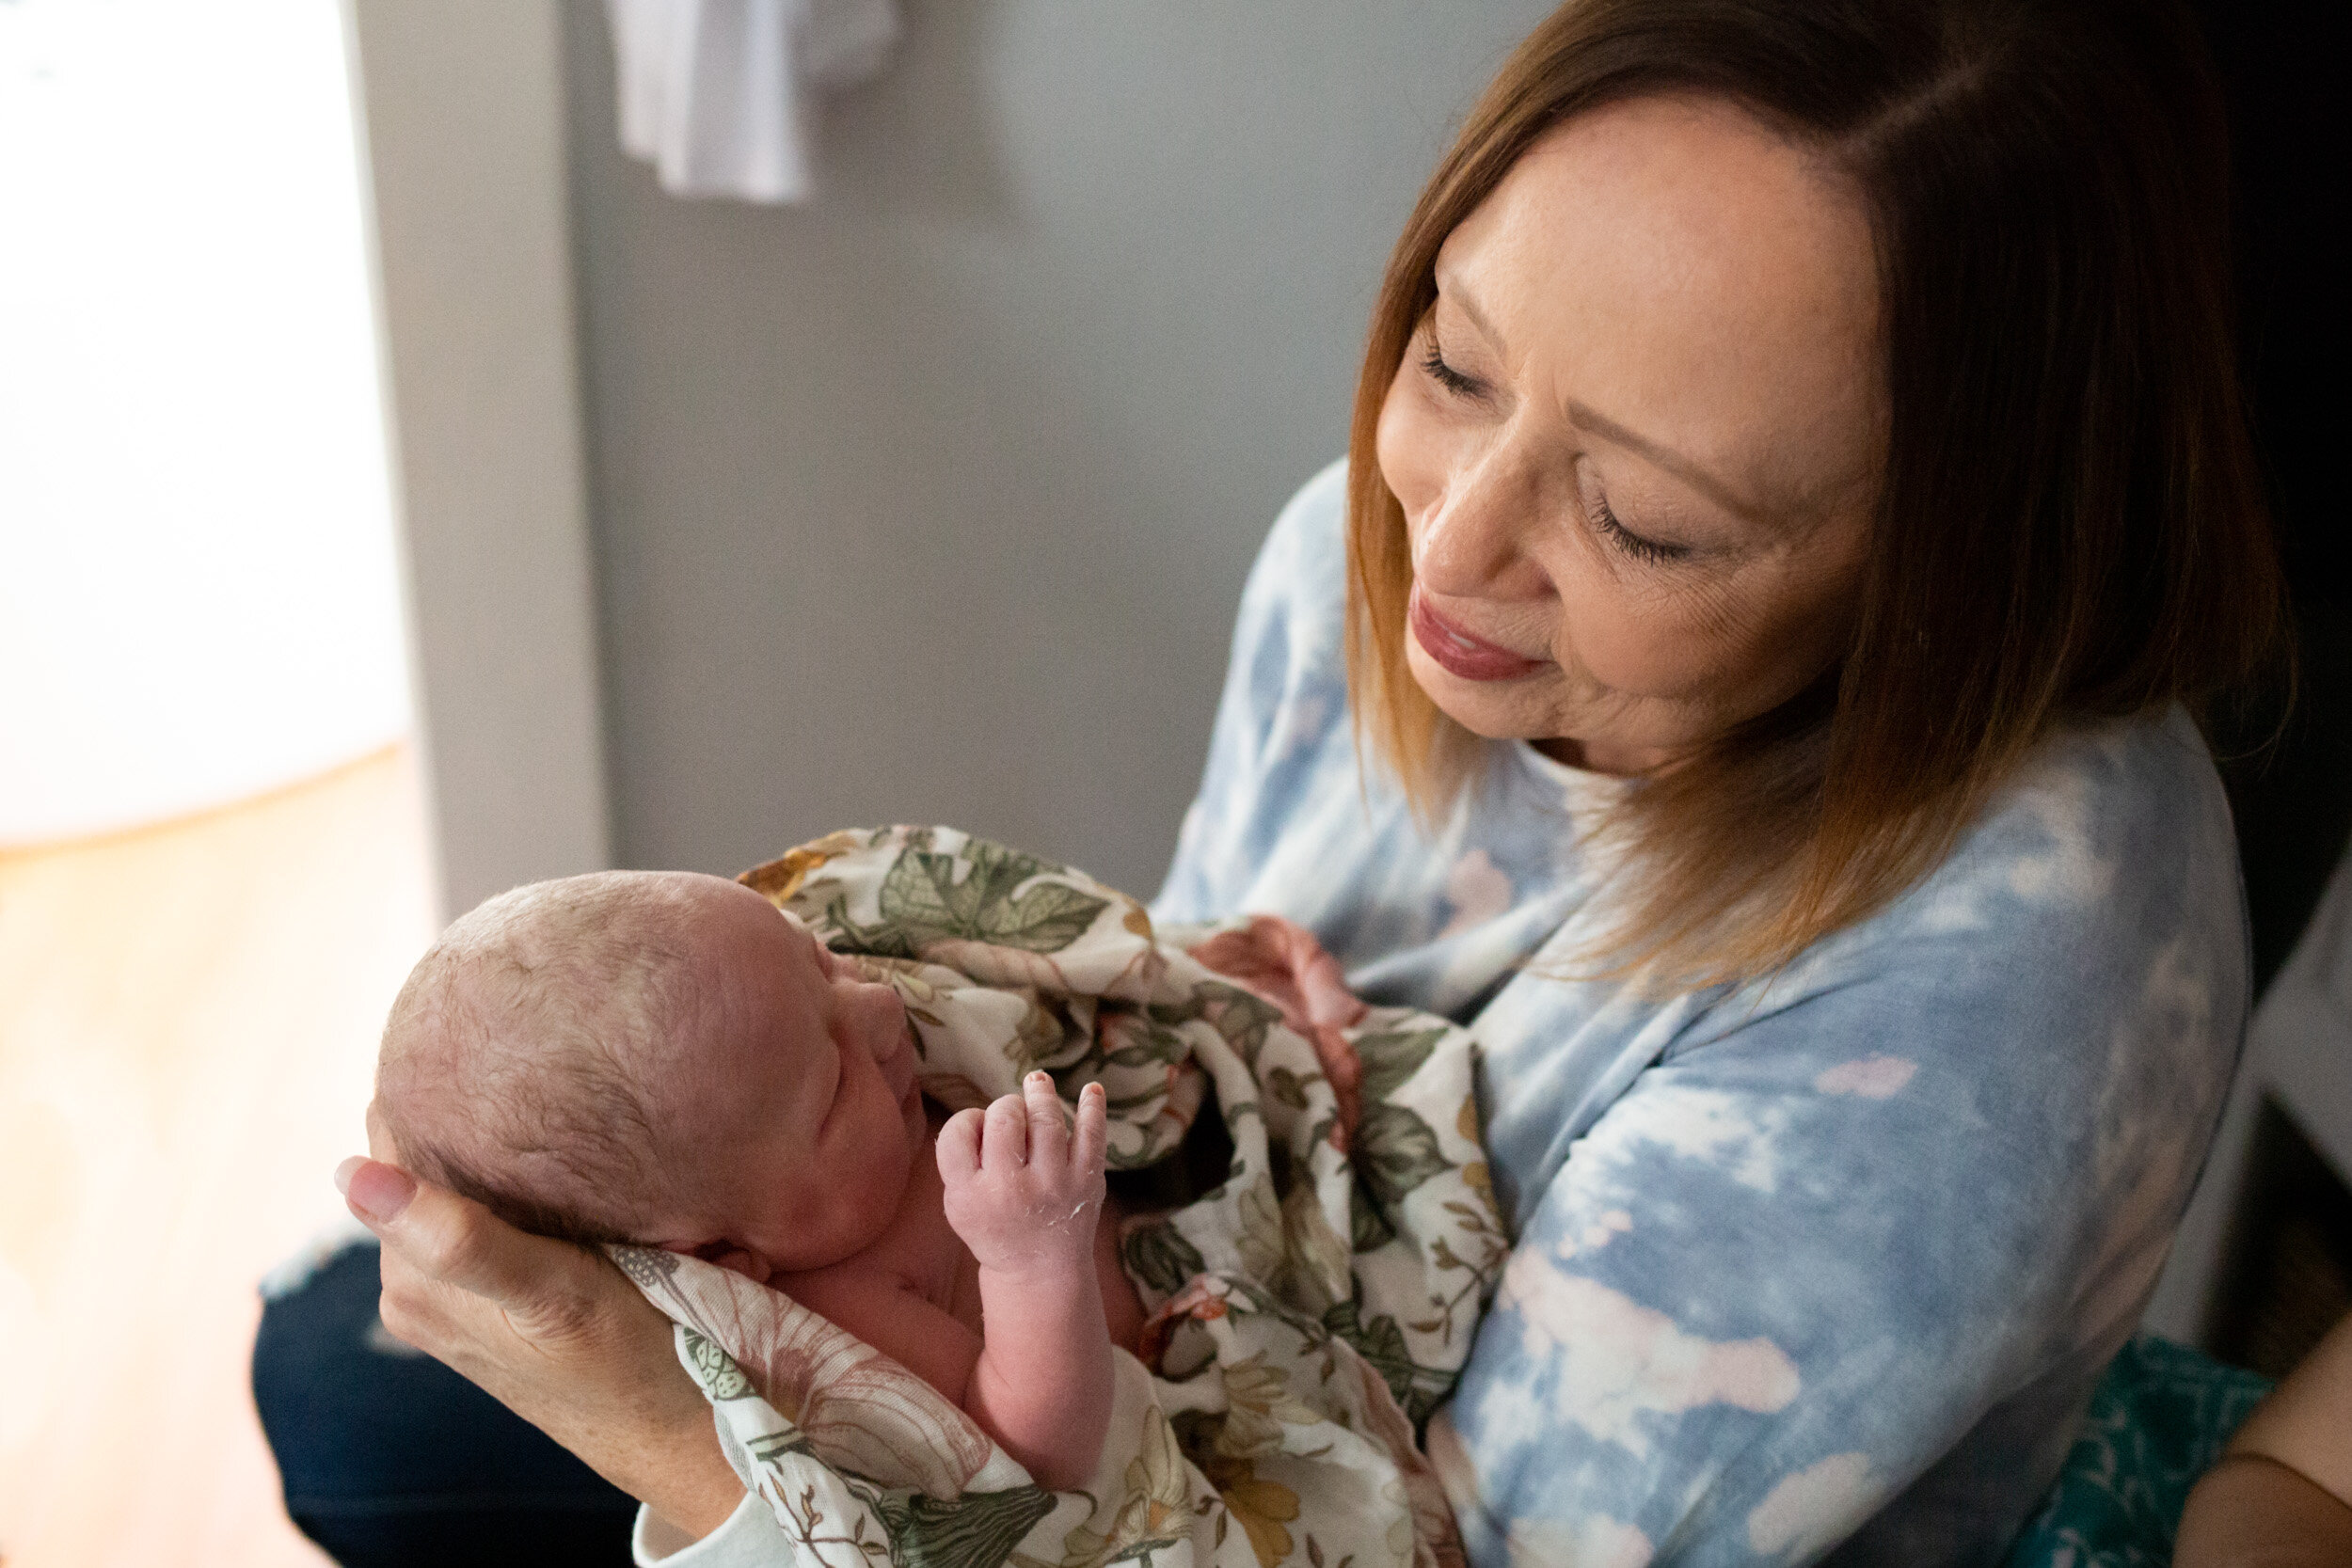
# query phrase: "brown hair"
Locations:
[[2070, 523], [510, 1059]]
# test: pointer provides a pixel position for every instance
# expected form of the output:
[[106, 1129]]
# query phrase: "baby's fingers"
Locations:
[[1093, 1131], [1005, 1142], [959, 1147], [1049, 1135]]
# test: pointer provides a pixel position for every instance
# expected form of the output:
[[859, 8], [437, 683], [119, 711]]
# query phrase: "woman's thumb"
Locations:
[[375, 1192]]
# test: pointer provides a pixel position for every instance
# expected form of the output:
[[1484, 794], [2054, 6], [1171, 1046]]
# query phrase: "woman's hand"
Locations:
[[551, 1331]]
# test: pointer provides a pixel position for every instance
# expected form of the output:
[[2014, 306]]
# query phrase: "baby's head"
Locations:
[[657, 1057]]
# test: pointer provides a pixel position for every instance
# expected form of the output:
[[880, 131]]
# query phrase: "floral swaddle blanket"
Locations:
[[1305, 1314]]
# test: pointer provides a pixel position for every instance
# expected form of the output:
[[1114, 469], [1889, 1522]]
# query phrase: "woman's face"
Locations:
[[1638, 439]]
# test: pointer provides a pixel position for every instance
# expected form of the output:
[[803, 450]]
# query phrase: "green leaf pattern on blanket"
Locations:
[[776, 1445], [1368, 1225], [1419, 1389], [1396, 1152], [1242, 1019], [1313, 1308], [1157, 1255], [1391, 1056], [999, 897], [715, 1369], [978, 1530]]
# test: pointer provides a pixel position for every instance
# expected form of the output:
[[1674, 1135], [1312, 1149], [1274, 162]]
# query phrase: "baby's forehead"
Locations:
[[758, 1021], [803, 961]]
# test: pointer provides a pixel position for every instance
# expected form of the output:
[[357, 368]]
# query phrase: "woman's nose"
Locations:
[[1468, 546]]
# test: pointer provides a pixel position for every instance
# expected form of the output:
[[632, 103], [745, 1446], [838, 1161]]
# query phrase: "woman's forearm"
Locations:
[[663, 1452], [2251, 1510], [688, 1483], [2306, 1423]]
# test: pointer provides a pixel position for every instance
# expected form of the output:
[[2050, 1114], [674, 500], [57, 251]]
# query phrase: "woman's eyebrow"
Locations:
[[1614, 434], [1468, 305], [1667, 458]]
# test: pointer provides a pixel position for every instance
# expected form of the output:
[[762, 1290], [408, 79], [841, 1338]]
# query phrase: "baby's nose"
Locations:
[[895, 1054], [890, 1014]]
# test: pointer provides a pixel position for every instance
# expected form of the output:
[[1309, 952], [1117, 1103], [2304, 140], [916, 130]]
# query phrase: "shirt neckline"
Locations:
[[1581, 784]]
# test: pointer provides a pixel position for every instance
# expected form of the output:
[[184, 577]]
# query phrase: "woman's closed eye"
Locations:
[[1652, 552], [1433, 362], [1459, 384]]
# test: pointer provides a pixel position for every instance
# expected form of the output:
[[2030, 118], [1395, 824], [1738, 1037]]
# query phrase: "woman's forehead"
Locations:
[[1681, 271]]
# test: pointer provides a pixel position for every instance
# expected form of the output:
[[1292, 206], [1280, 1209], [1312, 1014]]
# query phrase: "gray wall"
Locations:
[[464, 118], [931, 500]]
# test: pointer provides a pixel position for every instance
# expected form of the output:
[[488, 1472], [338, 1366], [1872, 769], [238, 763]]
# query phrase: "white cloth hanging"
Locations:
[[718, 94]]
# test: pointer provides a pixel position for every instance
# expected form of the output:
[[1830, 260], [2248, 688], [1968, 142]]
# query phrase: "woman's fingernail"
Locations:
[[377, 1192]]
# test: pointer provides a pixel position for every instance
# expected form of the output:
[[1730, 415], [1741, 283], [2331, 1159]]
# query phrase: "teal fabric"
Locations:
[[2157, 1421]]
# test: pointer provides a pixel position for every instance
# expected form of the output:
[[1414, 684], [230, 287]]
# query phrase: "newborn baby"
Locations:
[[663, 1058]]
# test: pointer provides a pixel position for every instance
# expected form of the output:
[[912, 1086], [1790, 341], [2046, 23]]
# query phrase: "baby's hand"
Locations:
[[1022, 1190]]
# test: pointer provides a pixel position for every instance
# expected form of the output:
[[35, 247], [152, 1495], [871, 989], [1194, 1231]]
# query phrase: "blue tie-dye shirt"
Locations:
[[1853, 1247]]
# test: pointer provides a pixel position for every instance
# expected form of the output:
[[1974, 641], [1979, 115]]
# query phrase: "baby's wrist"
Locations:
[[1040, 1270]]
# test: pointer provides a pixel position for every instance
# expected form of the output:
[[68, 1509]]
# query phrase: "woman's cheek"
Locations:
[[1630, 642], [1406, 445], [1597, 638]]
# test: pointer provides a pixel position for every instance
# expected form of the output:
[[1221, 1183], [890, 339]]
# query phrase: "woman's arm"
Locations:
[[2281, 1497], [2307, 1422], [1866, 1236], [2252, 1511], [552, 1332]]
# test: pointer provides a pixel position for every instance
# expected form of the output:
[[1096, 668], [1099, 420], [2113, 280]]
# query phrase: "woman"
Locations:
[[1797, 501]]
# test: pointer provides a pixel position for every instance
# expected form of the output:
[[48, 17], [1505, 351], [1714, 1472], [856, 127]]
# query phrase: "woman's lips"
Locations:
[[1460, 654]]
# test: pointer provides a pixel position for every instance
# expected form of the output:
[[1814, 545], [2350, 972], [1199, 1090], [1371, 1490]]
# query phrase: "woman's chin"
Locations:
[[1492, 710], [1587, 727]]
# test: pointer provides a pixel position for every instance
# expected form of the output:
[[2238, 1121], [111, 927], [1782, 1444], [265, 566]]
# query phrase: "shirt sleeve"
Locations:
[[1825, 1238], [750, 1538]]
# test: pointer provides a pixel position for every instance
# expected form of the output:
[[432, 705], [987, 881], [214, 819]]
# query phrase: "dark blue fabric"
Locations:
[[387, 1457]]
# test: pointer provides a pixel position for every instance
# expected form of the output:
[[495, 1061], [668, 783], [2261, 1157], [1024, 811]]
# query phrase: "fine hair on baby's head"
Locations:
[[523, 1059]]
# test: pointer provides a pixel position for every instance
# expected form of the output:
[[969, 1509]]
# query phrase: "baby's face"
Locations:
[[804, 1121]]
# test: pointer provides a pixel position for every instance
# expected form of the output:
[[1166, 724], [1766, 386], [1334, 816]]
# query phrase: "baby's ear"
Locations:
[[728, 1254]]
